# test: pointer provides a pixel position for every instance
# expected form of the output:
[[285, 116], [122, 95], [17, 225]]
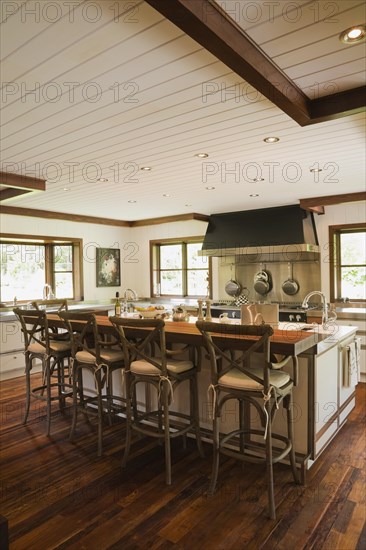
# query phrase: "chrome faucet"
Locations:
[[305, 304], [125, 296], [47, 292]]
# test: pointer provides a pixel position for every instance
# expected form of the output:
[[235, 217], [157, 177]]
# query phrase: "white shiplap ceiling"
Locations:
[[118, 87]]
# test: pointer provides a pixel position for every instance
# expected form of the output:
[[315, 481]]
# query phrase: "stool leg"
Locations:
[[168, 464], [100, 412], [129, 392], [48, 393], [195, 414], [75, 379], [216, 451], [269, 461], [28, 368], [290, 428]]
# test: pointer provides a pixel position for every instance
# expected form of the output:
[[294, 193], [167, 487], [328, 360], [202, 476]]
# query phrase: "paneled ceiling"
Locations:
[[95, 91]]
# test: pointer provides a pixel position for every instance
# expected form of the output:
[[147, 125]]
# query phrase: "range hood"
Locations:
[[283, 233]]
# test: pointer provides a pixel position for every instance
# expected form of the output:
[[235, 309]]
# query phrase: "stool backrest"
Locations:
[[222, 358], [34, 326], [85, 334], [59, 304], [138, 343]]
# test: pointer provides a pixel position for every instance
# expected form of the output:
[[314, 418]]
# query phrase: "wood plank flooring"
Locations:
[[57, 495]]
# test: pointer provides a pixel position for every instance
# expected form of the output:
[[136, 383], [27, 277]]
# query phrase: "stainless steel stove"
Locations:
[[288, 311]]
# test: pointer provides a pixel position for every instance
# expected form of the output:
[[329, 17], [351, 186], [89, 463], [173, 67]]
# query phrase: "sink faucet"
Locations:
[[305, 304], [47, 292], [125, 296]]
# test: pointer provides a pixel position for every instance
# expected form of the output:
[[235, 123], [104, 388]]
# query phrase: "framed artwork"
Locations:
[[108, 262]]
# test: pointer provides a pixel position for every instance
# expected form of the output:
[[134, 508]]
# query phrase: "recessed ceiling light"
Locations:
[[202, 155], [187, 205], [66, 189], [102, 180], [146, 168], [353, 34], [254, 195], [258, 179], [132, 202], [210, 188], [316, 169], [271, 139], [166, 195]]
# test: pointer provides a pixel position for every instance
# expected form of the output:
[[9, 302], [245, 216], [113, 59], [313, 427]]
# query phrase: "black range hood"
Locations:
[[287, 230]]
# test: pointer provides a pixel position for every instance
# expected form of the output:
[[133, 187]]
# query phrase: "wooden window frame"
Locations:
[[155, 265], [334, 254], [50, 243]]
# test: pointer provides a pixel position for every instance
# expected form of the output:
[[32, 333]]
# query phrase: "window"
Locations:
[[28, 264], [348, 275], [177, 270]]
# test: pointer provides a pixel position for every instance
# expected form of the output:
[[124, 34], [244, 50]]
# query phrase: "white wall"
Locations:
[[138, 267], [352, 212], [134, 244]]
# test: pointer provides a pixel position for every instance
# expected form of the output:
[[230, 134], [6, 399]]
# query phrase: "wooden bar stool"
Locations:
[[248, 376], [40, 344], [91, 351], [163, 373]]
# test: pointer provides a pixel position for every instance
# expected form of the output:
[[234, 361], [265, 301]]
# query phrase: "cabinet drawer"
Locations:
[[10, 362], [359, 323], [11, 336]]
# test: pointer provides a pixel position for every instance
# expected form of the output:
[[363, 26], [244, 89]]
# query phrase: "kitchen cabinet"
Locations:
[[12, 347], [12, 361]]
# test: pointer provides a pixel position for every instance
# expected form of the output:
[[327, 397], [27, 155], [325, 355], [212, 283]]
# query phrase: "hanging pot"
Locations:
[[232, 287], [262, 282], [290, 286]]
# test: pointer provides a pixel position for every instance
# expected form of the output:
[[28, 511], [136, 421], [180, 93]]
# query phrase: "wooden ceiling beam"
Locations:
[[19, 181], [210, 26], [47, 214], [316, 204], [10, 193]]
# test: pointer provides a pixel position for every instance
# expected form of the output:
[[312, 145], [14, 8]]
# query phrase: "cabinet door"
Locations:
[[326, 390], [11, 336]]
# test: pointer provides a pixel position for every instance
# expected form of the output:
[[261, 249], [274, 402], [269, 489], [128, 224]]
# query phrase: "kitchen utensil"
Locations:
[[243, 298], [232, 287], [180, 313], [262, 281], [290, 286]]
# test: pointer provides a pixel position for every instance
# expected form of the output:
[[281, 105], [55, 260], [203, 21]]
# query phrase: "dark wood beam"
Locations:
[[170, 219], [22, 182], [47, 214], [211, 27], [316, 204], [10, 193], [338, 105]]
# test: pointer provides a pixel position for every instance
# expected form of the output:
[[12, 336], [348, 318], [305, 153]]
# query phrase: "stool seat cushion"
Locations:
[[110, 355], [238, 380], [146, 368], [56, 346]]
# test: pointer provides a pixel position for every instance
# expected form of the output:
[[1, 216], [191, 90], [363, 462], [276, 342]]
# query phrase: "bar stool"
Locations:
[[91, 351], [39, 344], [164, 373], [248, 377], [57, 304]]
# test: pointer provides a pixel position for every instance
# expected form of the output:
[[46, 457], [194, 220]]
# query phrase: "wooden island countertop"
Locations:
[[284, 341]]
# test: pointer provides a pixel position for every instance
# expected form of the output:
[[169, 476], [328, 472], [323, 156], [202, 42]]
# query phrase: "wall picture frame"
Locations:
[[108, 267]]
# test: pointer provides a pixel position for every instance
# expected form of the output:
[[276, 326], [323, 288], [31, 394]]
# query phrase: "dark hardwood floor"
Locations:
[[57, 494]]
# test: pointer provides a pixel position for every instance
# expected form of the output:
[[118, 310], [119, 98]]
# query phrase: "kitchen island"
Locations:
[[322, 403]]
